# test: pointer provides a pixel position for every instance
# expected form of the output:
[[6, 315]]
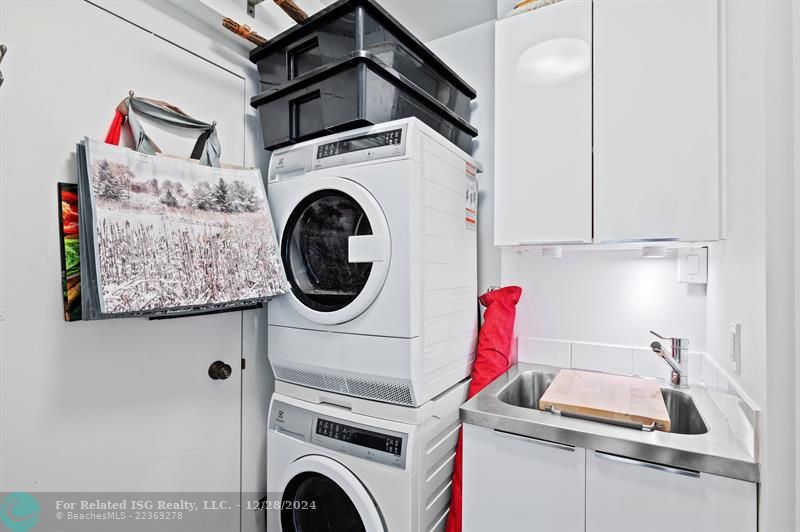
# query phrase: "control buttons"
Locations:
[[393, 137]]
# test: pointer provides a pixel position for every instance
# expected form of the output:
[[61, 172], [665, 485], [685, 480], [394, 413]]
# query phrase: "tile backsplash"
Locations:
[[741, 412]]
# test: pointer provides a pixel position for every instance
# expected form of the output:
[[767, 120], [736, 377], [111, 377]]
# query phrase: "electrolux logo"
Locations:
[[19, 512]]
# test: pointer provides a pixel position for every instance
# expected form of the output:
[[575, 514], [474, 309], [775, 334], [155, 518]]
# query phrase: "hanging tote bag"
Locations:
[[167, 235]]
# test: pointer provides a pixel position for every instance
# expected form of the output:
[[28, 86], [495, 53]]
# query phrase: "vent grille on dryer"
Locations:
[[392, 392], [319, 380], [378, 389]]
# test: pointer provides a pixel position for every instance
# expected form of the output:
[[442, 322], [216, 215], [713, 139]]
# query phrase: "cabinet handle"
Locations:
[[562, 446], [649, 465], [550, 242]]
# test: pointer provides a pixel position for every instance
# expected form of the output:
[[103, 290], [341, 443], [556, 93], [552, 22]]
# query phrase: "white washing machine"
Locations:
[[333, 469], [377, 228]]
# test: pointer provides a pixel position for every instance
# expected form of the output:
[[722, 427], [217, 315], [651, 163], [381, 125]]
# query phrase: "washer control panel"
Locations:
[[355, 439], [358, 436]]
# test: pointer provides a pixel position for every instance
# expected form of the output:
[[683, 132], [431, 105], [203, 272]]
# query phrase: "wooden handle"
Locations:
[[292, 9], [524, 3], [243, 31]]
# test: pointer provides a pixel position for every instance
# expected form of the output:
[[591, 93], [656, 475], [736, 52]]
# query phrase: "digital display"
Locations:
[[375, 140], [361, 437]]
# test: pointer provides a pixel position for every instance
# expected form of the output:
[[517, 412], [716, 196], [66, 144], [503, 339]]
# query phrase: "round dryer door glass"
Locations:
[[316, 250], [313, 502]]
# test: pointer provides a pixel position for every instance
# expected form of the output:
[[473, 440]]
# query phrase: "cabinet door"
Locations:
[[543, 160], [656, 146], [624, 494], [516, 483]]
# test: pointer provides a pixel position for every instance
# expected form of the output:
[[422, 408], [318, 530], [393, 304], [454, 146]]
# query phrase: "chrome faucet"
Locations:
[[678, 359]]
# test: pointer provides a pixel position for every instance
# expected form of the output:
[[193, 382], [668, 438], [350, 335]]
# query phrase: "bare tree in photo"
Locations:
[[243, 197], [169, 199], [202, 197], [106, 185], [222, 200]]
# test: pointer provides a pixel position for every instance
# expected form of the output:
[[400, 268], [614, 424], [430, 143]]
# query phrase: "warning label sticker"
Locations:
[[471, 206]]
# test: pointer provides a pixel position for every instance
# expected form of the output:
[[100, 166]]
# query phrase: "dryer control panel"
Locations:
[[360, 147], [356, 439], [370, 144]]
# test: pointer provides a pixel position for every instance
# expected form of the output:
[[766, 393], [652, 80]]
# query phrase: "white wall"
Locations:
[[779, 488], [796, 47], [471, 54], [607, 297], [434, 19], [751, 274]]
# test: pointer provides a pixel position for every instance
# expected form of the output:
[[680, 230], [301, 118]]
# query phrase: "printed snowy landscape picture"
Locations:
[[170, 234]]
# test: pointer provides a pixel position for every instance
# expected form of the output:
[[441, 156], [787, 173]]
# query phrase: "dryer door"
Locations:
[[336, 249], [321, 495]]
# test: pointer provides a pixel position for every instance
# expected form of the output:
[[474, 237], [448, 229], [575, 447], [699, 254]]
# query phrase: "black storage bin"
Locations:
[[359, 25], [355, 91]]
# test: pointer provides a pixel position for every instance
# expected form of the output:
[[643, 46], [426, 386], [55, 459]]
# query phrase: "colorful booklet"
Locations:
[[166, 235]]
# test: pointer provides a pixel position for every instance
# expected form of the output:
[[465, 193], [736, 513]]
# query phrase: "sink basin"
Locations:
[[683, 413], [527, 388]]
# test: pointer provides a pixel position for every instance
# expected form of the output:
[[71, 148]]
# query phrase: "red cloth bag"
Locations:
[[492, 360]]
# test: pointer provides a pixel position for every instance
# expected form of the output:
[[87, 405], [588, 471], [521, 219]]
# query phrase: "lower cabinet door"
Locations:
[[517, 483], [623, 494]]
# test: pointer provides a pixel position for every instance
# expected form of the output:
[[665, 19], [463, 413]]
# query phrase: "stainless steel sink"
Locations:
[[527, 388], [683, 413]]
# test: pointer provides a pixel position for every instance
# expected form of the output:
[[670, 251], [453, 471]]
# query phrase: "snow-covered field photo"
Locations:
[[173, 235]]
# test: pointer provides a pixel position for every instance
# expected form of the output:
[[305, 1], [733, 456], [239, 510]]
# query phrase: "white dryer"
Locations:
[[377, 229], [333, 469]]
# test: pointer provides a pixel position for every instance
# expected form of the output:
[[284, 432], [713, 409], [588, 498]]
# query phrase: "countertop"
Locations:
[[718, 451]]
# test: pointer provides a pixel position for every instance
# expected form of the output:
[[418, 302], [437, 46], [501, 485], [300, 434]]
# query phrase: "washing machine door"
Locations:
[[321, 495], [336, 249]]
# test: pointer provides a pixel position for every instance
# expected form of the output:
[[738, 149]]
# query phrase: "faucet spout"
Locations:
[[678, 359], [663, 353]]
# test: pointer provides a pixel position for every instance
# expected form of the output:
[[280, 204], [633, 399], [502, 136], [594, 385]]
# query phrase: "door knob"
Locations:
[[219, 370]]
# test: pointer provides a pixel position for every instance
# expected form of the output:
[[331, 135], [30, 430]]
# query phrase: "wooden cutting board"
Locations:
[[612, 397]]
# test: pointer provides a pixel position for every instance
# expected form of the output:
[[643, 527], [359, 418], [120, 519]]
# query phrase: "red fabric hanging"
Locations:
[[492, 360], [115, 129]]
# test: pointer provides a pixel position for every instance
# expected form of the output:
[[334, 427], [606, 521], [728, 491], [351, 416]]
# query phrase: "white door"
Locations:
[[335, 245], [624, 495], [119, 405], [656, 141], [543, 131], [319, 493], [515, 483]]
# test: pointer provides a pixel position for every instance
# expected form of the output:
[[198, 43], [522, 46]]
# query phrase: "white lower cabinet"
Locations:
[[516, 483], [623, 494]]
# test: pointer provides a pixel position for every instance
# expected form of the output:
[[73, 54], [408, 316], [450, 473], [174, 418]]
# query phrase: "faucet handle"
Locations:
[[659, 336]]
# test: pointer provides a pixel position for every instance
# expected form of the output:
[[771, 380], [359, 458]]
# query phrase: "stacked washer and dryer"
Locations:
[[373, 347]]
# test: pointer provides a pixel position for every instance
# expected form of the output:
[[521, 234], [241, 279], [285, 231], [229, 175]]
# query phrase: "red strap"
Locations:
[[115, 129]]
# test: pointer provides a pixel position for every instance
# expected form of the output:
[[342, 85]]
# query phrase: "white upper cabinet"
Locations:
[[543, 160], [656, 143], [607, 122]]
